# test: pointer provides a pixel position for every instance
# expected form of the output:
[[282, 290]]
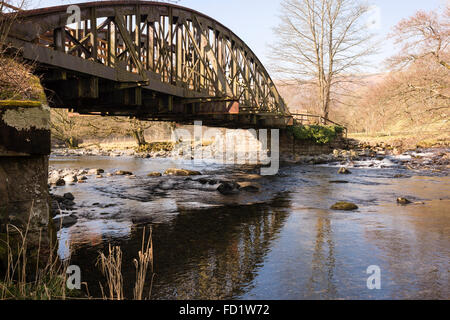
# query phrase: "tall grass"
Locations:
[[48, 281], [29, 279], [110, 265], [145, 257]]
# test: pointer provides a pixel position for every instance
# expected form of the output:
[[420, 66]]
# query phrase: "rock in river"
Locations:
[[96, 171], [181, 172], [70, 178], [249, 186], [123, 173], [403, 201], [69, 196], [57, 181], [154, 174], [344, 206], [228, 188], [65, 221]]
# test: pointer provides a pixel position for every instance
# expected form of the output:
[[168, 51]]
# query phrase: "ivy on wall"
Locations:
[[316, 133]]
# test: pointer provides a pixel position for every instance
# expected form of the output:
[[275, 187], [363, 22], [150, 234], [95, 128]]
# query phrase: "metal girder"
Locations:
[[161, 47], [212, 58]]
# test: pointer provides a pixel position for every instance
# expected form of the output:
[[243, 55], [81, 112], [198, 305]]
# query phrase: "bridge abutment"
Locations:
[[24, 152], [292, 149]]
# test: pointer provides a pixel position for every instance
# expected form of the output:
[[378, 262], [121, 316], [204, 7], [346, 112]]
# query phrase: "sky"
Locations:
[[253, 20]]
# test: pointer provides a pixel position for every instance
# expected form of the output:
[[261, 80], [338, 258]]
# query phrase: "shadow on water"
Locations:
[[200, 254]]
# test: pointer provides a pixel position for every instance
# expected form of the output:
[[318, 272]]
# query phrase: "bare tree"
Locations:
[[415, 95], [321, 42], [426, 34], [136, 128], [9, 11], [65, 127]]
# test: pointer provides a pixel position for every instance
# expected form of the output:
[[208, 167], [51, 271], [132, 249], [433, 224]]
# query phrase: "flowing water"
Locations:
[[280, 243]]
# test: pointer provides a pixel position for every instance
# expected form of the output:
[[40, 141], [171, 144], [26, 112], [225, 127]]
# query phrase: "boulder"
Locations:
[[60, 182], [181, 172], [65, 221], [70, 178], [154, 174], [55, 179], [69, 196], [403, 201], [344, 206], [228, 188]]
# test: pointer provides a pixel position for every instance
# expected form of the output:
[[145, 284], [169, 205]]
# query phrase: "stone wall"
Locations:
[[24, 150], [292, 149]]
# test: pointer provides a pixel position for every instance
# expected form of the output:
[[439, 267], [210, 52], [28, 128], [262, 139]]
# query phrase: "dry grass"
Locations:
[[141, 264], [29, 278], [424, 137], [48, 282], [110, 265], [17, 81]]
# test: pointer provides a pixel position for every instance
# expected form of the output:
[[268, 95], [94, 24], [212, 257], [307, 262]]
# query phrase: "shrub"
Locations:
[[316, 133]]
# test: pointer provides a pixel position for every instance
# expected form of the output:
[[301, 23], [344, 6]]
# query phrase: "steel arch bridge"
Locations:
[[150, 60]]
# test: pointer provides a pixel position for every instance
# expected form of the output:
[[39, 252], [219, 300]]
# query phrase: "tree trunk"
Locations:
[[138, 134], [72, 143]]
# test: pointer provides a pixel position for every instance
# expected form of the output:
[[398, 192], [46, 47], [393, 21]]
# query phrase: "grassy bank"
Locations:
[[406, 140]]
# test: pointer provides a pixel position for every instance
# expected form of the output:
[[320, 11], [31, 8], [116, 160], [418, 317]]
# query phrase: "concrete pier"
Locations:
[[24, 152]]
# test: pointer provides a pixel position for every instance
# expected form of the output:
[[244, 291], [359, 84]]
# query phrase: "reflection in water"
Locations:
[[323, 263], [207, 254], [280, 243]]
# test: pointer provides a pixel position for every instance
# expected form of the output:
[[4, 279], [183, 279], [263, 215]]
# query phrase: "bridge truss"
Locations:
[[146, 59]]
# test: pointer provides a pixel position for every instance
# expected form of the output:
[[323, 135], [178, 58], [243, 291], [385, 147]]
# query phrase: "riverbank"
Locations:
[[405, 141], [434, 157]]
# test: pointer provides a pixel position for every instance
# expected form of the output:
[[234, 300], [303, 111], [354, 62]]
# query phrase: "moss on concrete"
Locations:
[[27, 118]]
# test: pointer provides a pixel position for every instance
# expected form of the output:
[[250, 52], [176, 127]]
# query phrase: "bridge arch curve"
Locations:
[[159, 59]]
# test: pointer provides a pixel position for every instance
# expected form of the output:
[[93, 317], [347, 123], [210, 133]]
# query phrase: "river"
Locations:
[[280, 243]]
